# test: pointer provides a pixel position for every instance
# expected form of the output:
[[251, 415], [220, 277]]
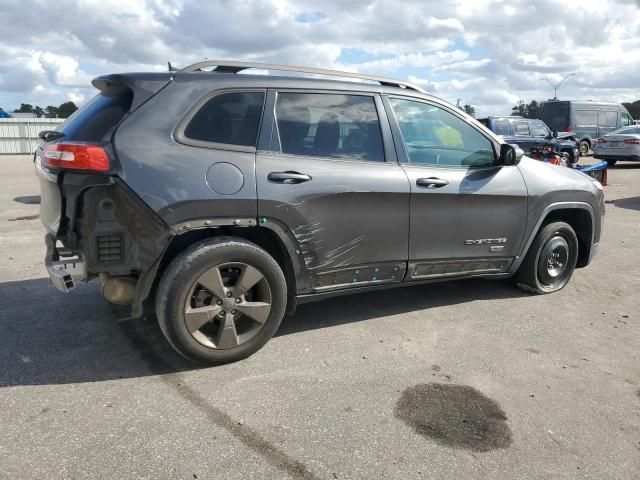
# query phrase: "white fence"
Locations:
[[20, 135]]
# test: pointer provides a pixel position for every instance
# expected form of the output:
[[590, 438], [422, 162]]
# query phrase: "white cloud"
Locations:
[[492, 53]]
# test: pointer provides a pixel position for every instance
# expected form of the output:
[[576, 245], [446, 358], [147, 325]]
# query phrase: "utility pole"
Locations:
[[556, 86]]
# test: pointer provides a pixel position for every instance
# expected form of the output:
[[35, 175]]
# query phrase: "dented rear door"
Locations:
[[330, 181]]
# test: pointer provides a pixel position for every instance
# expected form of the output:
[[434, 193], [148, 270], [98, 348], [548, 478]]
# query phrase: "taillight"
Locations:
[[601, 140], [569, 128], [75, 156], [634, 141]]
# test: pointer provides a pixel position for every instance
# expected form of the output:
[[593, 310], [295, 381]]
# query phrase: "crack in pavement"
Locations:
[[168, 373]]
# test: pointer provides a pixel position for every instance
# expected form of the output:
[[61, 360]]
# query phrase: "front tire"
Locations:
[[550, 261], [221, 300]]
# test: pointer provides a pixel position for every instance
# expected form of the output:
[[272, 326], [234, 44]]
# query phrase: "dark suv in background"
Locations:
[[530, 133], [226, 199]]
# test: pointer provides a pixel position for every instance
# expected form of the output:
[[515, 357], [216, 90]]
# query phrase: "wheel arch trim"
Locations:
[[545, 213]]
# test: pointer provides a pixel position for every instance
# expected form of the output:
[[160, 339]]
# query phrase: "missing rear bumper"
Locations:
[[63, 273]]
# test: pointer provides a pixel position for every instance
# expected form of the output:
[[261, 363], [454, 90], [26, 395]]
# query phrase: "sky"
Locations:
[[490, 54]]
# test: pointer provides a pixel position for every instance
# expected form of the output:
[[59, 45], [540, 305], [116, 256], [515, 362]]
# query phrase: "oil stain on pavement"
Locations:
[[455, 416]]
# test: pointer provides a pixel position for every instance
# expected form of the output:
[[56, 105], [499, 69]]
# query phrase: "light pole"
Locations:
[[556, 86]]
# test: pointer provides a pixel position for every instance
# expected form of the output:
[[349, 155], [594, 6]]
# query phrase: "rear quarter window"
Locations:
[[227, 118], [97, 119]]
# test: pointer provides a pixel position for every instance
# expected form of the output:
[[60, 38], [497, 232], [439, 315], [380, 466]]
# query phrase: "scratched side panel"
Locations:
[[349, 215]]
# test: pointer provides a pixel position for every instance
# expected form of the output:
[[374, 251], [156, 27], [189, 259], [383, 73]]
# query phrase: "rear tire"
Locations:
[[550, 261], [221, 300], [611, 163]]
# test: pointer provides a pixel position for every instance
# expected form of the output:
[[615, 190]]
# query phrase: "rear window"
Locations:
[[228, 118], [556, 115], [94, 121]]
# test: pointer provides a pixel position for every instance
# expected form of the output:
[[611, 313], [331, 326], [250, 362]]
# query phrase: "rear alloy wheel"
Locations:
[[584, 148], [550, 261], [221, 300]]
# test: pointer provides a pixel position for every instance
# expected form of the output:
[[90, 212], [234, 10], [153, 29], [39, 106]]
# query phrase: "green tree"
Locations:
[[66, 109], [469, 109], [528, 110], [633, 108], [24, 108], [51, 111]]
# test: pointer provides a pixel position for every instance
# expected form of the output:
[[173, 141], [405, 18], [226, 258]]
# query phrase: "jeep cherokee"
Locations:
[[225, 199]]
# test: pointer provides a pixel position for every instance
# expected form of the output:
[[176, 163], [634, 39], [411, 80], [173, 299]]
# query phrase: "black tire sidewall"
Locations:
[[528, 272], [178, 279]]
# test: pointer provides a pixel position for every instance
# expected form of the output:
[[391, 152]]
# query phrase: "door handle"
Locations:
[[288, 177], [431, 182]]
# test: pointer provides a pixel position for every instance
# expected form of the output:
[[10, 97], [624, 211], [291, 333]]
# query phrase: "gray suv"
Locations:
[[225, 199]]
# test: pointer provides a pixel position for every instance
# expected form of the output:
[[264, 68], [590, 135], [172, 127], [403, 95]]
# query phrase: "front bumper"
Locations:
[[63, 273]]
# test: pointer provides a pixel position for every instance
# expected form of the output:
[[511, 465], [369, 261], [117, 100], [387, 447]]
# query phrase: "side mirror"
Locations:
[[555, 134], [510, 154]]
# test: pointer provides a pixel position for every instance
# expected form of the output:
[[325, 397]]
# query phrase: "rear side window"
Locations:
[[228, 118], [585, 118], [607, 118], [94, 121], [328, 125], [522, 128], [501, 127]]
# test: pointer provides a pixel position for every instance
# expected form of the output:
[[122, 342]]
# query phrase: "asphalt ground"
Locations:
[[458, 380]]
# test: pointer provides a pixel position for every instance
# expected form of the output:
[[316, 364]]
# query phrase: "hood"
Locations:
[[556, 175]]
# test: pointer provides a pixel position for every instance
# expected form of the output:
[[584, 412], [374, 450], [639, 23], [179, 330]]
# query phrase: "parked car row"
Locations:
[[587, 121], [572, 129]]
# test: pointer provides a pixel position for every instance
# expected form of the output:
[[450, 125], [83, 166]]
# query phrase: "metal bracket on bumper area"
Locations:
[[62, 273]]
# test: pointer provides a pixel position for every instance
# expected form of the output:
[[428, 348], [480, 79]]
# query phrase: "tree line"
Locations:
[[63, 110], [533, 109]]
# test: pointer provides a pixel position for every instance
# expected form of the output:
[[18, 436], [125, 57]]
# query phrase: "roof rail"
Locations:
[[226, 66]]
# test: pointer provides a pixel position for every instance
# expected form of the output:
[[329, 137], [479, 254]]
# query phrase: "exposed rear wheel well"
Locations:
[[581, 222], [263, 237]]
